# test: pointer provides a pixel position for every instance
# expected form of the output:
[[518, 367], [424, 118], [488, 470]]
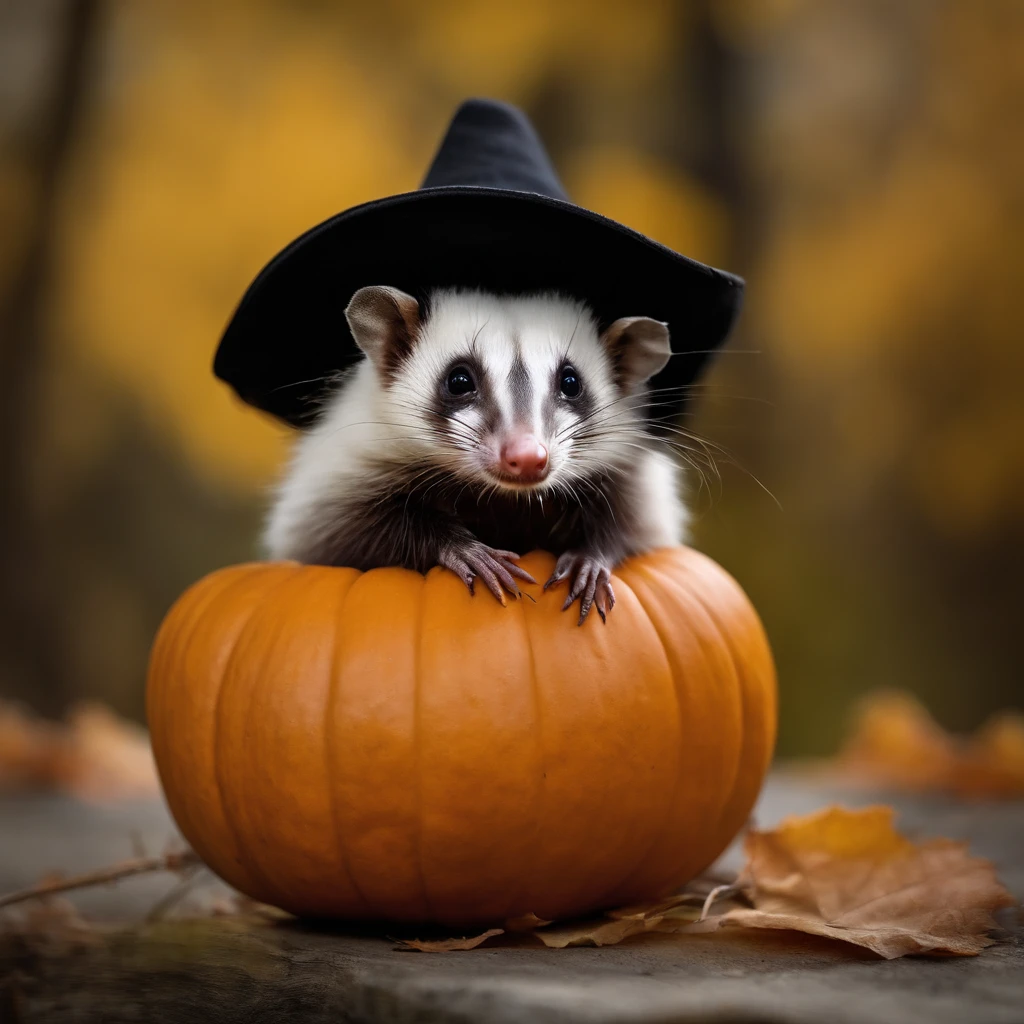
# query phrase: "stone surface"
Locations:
[[213, 969]]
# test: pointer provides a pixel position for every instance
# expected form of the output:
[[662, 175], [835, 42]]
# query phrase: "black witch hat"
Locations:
[[490, 214]]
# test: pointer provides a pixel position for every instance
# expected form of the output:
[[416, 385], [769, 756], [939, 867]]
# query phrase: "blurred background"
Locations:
[[862, 165]]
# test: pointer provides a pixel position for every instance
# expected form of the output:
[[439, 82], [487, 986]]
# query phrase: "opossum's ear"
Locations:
[[384, 322], [638, 347]]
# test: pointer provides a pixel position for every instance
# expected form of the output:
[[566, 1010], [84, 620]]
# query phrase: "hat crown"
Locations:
[[493, 145]]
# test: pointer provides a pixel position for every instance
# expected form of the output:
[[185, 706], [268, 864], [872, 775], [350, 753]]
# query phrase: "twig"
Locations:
[[189, 877], [731, 889], [139, 866]]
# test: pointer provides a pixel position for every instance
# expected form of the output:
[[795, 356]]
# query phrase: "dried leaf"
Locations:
[[896, 743], [51, 927], [602, 932], [27, 746], [672, 914], [449, 945], [993, 765], [95, 755], [850, 875], [106, 757], [656, 909]]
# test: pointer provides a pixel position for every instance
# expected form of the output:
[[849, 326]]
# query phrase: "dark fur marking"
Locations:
[[404, 333], [445, 405], [521, 389], [617, 347], [405, 520], [580, 407]]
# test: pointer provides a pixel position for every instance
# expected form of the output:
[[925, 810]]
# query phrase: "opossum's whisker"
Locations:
[[718, 352]]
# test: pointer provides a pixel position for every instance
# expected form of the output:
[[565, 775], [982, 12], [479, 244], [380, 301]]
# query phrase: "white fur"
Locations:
[[663, 518], [366, 427]]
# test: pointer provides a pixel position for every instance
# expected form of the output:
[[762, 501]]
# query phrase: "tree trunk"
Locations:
[[32, 658]]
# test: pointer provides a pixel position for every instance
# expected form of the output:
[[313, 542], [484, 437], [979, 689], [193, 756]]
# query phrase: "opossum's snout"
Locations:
[[523, 458]]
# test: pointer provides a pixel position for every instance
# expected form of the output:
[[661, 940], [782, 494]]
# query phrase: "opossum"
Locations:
[[479, 426]]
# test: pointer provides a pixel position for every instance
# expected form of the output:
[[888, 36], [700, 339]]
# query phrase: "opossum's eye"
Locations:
[[460, 382], [569, 382]]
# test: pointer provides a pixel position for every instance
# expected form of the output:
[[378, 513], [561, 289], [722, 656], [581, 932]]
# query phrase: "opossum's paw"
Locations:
[[590, 580], [470, 560]]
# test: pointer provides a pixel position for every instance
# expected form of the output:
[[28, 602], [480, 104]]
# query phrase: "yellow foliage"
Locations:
[[202, 174], [652, 197], [509, 49]]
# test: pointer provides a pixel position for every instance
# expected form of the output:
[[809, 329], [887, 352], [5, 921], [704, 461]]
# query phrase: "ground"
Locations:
[[188, 966]]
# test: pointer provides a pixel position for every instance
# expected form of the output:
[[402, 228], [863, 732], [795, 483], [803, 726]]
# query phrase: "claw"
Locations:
[[496, 569], [562, 569], [587, 600], [604, 600], [591, 583], [520, 572]]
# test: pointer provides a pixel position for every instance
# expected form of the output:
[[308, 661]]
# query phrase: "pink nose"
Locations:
[[524, 457]]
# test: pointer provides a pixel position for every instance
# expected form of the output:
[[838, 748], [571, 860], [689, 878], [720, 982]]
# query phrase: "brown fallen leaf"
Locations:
[[50, 927], [850, 875], [671, 914], [449, 945], [105, 757], [27, 746], [602, 932], [617, 925], [895, 743], [95, 755], [993, 765]]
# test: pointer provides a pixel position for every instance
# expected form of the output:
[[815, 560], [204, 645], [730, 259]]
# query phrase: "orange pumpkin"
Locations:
[[386, 746]]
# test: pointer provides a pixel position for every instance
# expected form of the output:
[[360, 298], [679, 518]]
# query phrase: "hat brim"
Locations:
[[288, 338]]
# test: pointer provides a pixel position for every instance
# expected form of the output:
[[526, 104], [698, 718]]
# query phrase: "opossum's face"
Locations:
[[519, 394]]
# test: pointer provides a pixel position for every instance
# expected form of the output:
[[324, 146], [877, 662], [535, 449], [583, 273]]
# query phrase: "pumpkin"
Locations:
[[386, 746]]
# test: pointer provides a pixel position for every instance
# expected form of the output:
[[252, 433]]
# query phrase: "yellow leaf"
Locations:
[[850, 875], [993, 765], [94, 756], [896, 743], [104, 757]]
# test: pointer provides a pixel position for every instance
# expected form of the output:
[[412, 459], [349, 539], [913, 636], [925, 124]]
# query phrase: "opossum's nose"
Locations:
[[524, 457]]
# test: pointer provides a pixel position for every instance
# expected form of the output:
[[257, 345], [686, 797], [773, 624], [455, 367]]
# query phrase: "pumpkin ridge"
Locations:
[[726, 639], [665, 580], [302, 578], [249, 867], [178, 638], [754, 630], [597, 875], [329, 747], [641, 864], [417, 745], [205, 602], [741, 689], [528, 887]]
